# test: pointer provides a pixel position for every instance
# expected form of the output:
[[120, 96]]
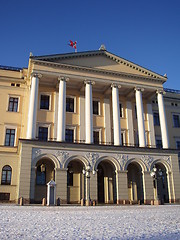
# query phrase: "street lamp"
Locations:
[[156, 174], [86, 172]]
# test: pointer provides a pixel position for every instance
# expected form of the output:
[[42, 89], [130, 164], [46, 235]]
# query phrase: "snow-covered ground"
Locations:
[[100, 222]]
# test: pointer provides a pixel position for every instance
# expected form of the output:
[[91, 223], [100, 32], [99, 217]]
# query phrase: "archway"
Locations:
[[75, 181], [135, 184], [106, 180], [162, 185], [44, 174]]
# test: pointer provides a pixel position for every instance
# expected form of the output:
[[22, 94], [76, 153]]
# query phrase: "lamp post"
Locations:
[[156, 174], [86, 172]]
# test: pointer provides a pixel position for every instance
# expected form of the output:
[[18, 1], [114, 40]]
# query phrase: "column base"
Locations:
[[157, 202]]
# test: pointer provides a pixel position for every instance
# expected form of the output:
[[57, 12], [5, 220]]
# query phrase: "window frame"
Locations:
[[158, 138], [50, 97], [18, 107], [100, 135], [121, 109], [74, 98], [157, 123], [15, 135], [178, 115], [44, 125], [6, 182], [99, 106], [73, 128]]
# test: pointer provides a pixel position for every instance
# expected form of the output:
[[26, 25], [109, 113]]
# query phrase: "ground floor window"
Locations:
[[6, 175]]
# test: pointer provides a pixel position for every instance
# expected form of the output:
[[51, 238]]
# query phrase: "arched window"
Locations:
[[6, 175]]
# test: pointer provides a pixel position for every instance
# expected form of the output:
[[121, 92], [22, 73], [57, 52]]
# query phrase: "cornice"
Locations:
[[100, 71]]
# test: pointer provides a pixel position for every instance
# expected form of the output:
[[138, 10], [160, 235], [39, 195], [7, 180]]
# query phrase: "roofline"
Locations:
[[17, 69], [98, 52]]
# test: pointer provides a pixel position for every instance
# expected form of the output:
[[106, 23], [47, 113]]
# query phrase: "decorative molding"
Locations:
[[62, 156], [92, 158], [148, 161], [122, 160], [167, 159]]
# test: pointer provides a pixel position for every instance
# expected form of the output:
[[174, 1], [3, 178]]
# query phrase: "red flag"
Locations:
[[73, 44]]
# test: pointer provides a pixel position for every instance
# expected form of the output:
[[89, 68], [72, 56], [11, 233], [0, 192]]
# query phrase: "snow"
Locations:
[[99, 222]]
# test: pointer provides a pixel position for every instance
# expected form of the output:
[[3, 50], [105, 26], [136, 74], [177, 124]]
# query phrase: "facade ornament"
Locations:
[[62, 156], [148, 161], [122, 160], [167, 159], [92, 158]]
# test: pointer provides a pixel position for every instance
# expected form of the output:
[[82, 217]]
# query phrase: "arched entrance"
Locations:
[[162, 185], [44, 174], [106, 182], [75, 181], [135, 184]]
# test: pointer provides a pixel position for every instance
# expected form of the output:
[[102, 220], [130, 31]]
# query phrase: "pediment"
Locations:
[[100, 60]]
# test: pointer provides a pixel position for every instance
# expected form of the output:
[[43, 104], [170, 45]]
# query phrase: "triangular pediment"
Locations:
[[102, 60]]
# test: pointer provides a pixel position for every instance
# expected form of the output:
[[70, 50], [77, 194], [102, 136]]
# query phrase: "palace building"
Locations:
[[102, 127]]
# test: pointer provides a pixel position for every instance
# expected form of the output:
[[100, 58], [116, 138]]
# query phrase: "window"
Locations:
[[135, 111], [156, 119], [69, 104], [41, 175], [6, 175], [176, 121], [96, 108], [121, 110], [13, 104], [44, 102], [96, 137], [158, 143], [10, 137], [43, 133], [178, 144], [69, 135], [70, 178]]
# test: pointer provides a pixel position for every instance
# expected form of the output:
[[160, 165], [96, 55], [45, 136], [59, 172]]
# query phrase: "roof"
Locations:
[[10, 68]]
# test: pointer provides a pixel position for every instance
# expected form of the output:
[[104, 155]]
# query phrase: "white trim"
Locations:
[[74, 128], [50, 97], [15, 137], [47, 125], [13, 96], [123, 133], [74, 97]]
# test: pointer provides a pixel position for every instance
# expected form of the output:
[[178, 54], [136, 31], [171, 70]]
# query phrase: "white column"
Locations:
[[130, 124], [89, 111], [82, 118], [116, 114], [140, 117], [107, 121], [61, 126], [162, 118], [150, 121], [33, 101]]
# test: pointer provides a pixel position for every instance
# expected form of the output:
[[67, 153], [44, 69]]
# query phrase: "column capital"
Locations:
[[86, 81], [61, 78], [160, 91], [115, 85], [37, 75], [139, 89]]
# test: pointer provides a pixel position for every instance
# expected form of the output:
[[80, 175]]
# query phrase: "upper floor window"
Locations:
[[176, 121], [96, 137], [96, 109], [178, 144], [43, 133], [156, 119], [158, 143], [6, 175], [10, 137], [69, 104], [44, 102], [13, 104], [69, 135]]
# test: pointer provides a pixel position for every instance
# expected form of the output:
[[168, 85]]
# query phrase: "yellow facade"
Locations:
[[119, 184]]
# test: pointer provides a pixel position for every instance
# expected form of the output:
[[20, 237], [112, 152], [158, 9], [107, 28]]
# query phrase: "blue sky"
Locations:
[[142, 31]]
